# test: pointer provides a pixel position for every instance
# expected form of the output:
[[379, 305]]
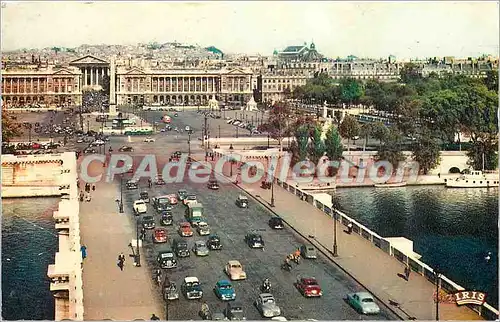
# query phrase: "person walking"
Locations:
[[154, 318], [407, 272], [93, 187], [121, 261], [349, 228], [83, 249]]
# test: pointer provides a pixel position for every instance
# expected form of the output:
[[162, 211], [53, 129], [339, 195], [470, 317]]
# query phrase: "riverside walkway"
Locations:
[[108, 292], [370, 266]]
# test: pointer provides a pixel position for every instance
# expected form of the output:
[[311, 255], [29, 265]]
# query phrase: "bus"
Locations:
[[167, 119], [146, 130]]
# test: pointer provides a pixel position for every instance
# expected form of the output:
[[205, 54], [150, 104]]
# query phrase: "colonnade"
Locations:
[[93, 75]]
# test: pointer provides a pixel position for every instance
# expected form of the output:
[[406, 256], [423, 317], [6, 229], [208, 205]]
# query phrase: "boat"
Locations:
[[476, 179], [390, 185]]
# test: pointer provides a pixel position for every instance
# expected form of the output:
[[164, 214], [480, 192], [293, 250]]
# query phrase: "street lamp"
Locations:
[[189, 145], [137, 252], [120, 205], [437, 276], [272, 185], [231, 160], [334, 216]]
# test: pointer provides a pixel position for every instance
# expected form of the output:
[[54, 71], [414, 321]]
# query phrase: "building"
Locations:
[[299, 53], [384, 70], [41, 86]]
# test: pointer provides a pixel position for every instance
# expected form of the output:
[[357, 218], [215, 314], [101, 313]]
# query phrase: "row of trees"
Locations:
[[434, 110]]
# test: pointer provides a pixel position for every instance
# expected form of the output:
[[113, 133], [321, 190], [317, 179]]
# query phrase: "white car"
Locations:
[[187, 128], [203, 228], [266, 304], [98, 142], [140, 207], [148, 139], [234, 270]]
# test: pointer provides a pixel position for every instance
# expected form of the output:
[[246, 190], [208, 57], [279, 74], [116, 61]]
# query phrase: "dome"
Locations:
[[275, 52], [313, 46]]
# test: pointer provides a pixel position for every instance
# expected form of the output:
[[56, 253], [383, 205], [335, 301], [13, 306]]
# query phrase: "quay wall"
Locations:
[[54, 175]]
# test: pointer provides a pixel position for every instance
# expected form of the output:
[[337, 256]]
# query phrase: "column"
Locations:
[[102, 73], [91, 76], [25, 83], [158, 84], [11, 84], [213, 84], [31, 85]]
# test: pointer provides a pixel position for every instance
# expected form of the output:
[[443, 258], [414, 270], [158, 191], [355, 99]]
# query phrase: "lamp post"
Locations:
[[137, 252], [272, 186], [334, 217], [437, 275], [120, 205], [189, 145], [231, 160], [237, 131]]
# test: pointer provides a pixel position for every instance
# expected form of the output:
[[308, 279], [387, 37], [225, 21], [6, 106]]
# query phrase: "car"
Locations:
[[132, 184], [166, 259], [159, 181], [213, 185], [200, 248], [235, 271], [169, 291], [180, 248], [214, 243], [90, 150], [144, 196], [187, 128], [266, 304], [98, 143], [149, 140], [234, 311], [363, 302], [148, 222], [189, 199], [162, 130], [140, 207], [242, 201], [254, 240], [167, 218], [224, 290], [126, 149], [218, 316], [185, 229], [203, 229], [160, 235], [308, 251], [276, 223], [191, 288], [182, 194], [308, 287], [161, 207], [79, 141], [172, 198]]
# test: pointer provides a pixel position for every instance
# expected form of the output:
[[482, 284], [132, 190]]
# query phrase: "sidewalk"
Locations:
[[370, 266], [108, 292]]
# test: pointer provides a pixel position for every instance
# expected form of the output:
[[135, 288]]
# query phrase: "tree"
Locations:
[[380, 131], [317, 146], [277, 123], [483, 154], [349, 128], [427, 152], [410, 73], [366, 130], [333, 145], [350, 90], [491, 80], [390, 150], [10, 129], [302, 140]]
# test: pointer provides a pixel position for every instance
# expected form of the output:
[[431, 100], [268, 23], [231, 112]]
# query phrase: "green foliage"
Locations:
[[491, 80], [380, 131], [426, 151], [390, 150], [302, 139], [365, 131], [349, 128], [333, 144], [317, 146], [10, 129], [351, 90], [487, 148], [410, 73]]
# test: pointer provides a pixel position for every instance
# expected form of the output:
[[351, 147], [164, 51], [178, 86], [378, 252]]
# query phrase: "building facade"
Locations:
[[45, 87]]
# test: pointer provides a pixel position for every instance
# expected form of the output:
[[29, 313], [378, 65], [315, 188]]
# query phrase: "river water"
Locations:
[[452, 229], [29, 243]]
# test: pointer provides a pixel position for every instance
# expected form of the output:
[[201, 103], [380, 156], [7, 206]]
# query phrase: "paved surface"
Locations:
[[108, 292]]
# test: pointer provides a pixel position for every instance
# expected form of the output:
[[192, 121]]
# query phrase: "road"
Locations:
[[232, 223]]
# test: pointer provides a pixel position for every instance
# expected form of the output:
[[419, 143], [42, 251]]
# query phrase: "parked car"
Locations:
[[145, 196], [203, 228], [172, 198], [189, 199], [363, 302], [148, 222], [126, 149], [140, 207], [159, 181], [160, 235], [235, 271], [191, 288], [185, 229], [276, 223], [254, 240], [182, 194], [169, 291], [242, 201], [180, 248], [224, 290], [308, 251], [132, 184], [167, 218], [166, 259], [214, 243], [213, 185], [200, 248], [308, 287], [266, 304], [234, 311], [149, 140]]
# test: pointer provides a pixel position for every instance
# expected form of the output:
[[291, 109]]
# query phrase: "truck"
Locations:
[[194, 213]]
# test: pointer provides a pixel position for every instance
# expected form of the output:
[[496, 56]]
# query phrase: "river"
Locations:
[[452, 229], [29, 243]]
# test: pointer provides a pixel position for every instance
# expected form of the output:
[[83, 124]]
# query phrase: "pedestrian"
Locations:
[[154, 317], [439, 175], [93, 187], [143, 233], [349, 227], [407, 272], [87, 187], [81, 195], [121, 261], [88, 197], [83, 249]]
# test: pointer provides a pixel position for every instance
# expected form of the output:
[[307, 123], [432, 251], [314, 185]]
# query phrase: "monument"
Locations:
[[112, 88]]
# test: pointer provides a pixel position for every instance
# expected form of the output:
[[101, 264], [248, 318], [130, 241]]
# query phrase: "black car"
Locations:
[[144, 196], [234, 311], [148, 222], [214, 243], [159, 181], [126, 149], [166, 218], [90, 150], [166, 259], [132, 184], [276, 223], [213, 184], [181, 248], [161, 207], [254, 240]]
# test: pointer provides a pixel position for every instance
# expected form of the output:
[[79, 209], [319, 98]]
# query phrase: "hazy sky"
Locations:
[[365, 29]]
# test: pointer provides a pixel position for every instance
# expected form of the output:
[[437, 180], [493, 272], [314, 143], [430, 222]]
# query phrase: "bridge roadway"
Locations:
[[232, 223]]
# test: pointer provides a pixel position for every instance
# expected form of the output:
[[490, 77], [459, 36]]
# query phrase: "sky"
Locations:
[[364, 29]]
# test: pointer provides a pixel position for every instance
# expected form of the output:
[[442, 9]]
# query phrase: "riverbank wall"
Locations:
[[53, 175]]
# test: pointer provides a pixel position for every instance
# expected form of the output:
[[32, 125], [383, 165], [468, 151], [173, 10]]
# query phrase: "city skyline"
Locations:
[[339, 29]]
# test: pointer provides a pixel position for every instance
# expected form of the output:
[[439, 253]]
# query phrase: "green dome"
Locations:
[[214, 50], [275, 52]]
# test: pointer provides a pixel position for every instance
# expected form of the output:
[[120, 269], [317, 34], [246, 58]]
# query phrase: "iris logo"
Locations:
[[470, 297]]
